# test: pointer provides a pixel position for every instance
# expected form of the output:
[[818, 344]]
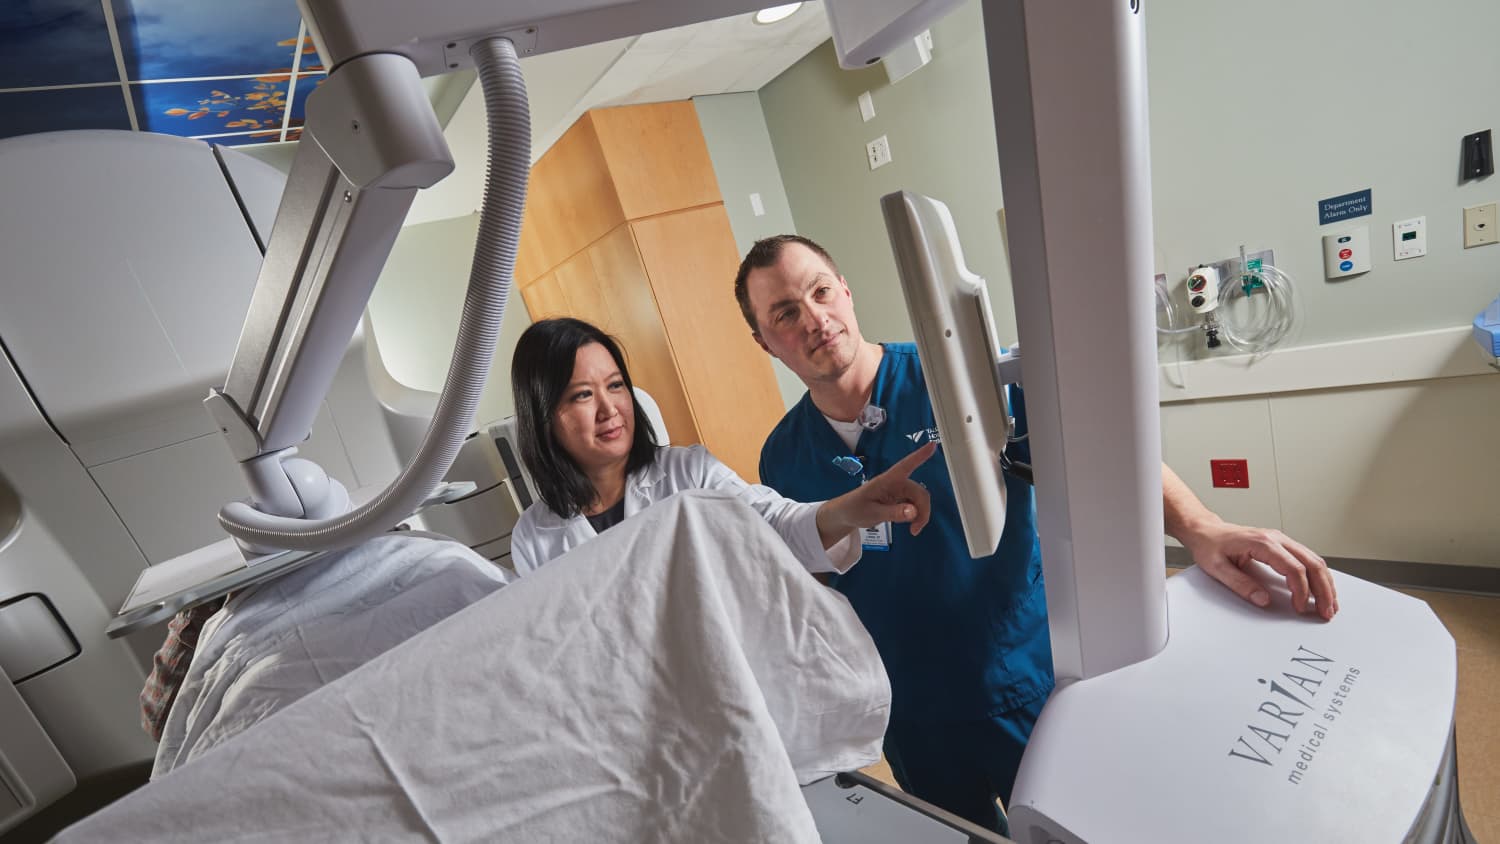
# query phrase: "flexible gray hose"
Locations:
[[509, 118]]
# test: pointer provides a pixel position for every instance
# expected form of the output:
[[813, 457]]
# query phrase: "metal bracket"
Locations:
[[456, 53], [244, 441]]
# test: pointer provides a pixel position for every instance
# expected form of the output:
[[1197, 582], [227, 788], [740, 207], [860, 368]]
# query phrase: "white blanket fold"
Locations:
[[673, 680], [274, 644]]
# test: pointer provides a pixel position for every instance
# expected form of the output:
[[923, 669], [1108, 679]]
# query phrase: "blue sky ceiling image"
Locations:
[[234, 73]]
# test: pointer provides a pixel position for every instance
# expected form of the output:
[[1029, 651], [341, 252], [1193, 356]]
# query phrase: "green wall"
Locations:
[[1257, 112]]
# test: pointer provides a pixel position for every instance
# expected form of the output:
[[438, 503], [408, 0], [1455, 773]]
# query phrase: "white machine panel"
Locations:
[[164, 301], [187, 484], [1252, 725], [32, 637], [32, 772]]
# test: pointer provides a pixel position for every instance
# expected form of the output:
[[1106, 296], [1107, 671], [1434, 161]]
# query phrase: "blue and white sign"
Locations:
[[1346, 207]]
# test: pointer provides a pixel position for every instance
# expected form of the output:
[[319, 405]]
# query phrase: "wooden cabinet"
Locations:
[[625, 228]]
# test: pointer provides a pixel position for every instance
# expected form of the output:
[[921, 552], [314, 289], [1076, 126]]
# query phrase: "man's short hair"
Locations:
[[765, 253]]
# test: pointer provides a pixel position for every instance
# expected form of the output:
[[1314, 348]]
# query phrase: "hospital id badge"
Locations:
[[877, 538]]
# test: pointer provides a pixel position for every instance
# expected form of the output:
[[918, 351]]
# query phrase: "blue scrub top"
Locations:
[[961, 638]]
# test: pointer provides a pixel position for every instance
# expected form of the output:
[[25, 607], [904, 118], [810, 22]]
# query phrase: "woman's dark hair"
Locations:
[[540, 372]]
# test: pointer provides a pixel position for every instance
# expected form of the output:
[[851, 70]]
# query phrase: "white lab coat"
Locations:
[[542, 535]]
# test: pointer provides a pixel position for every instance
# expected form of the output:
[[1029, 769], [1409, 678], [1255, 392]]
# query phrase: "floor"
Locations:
[[1474, 621]]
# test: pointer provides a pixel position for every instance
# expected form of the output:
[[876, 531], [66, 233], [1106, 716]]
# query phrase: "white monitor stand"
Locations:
[[1248, 725]]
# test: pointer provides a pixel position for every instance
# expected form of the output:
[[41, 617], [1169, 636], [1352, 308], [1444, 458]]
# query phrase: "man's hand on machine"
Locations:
[[891, 496], [1224, 550]]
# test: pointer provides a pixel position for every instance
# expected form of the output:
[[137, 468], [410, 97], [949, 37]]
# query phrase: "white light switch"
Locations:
[[1346, 253], [1409, 238], [866, 106], [756, 205]]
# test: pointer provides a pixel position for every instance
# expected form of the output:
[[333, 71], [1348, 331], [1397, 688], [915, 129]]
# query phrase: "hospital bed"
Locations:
[[1070, 122]]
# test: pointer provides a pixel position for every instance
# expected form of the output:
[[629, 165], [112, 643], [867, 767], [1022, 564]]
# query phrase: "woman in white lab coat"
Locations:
[[594, 462]]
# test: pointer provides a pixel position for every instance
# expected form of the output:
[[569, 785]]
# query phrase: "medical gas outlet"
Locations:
[[1203, 290], [1203, 296]]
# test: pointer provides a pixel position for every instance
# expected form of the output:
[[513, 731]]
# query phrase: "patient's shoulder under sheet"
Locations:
[[670, 681], [280, 641]]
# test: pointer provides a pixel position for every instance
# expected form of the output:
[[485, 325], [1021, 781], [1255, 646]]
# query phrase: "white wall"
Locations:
[[1371, 464], [1260, 110]]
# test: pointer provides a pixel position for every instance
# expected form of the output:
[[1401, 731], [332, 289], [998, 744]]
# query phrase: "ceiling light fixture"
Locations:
[[777, 13]]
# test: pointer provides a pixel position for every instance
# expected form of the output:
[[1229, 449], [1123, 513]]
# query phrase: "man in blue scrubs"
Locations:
[[965, 641]]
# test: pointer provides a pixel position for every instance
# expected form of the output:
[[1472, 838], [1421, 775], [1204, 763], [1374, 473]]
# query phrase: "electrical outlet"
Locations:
[[1479, 225], [1233, 474], [879, 152]]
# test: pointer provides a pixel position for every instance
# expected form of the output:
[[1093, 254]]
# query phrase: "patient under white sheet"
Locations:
[[273, 644], [673, 680]]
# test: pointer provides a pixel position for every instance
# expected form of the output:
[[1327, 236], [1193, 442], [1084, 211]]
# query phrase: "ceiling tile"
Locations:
[[211, 107], [69, 108], [54, 42], [183, 39]]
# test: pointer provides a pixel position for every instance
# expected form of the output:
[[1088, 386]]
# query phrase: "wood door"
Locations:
[[571, 202], [691, 258], [546, 298], [624, 293], [657, 158]]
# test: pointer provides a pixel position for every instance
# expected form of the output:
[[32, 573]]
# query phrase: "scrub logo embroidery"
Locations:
[[926, 434]]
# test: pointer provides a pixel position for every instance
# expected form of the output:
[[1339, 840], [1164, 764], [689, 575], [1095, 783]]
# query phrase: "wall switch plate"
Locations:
[[1478, 156], [1479, 225], [756, 206], [1346, 253], [1409, 238], [866, 106], [879, 152]]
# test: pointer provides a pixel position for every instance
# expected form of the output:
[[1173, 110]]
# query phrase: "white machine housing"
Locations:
[[116, 322]]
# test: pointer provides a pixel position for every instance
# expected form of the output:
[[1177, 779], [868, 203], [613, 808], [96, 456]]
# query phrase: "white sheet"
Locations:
[[673, 680], [273, 644]]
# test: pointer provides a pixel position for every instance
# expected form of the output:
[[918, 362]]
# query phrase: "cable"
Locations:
[[1164, 304], [509, 119], [1272, 315]]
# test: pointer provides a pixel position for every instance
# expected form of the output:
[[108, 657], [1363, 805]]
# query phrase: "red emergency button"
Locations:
[[1346, 254]]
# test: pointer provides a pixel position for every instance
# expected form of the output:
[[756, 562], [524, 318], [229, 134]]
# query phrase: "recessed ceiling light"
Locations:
[[777, 13]]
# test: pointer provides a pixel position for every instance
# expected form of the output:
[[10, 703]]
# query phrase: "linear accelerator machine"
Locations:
[[1244, 725]]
